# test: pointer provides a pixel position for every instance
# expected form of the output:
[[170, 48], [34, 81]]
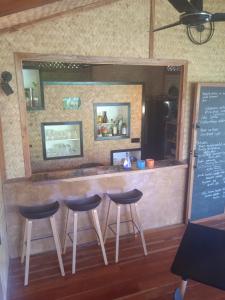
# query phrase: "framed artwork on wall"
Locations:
[[62, 140]]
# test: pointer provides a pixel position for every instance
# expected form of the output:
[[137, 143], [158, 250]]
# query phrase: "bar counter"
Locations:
[[162, 204]]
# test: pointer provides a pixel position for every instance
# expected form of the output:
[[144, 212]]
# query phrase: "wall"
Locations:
[[99, 32], [94, 151], [121, 30]]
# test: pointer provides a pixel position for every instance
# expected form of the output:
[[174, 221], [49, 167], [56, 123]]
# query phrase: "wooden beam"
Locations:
[[151, 27], [2, 159], [23, 117], [181, 111], [13, 6], [29, 17]]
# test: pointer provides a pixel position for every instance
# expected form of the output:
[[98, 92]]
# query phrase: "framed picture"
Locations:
[[71, 103], [62, 140], [118, 156]]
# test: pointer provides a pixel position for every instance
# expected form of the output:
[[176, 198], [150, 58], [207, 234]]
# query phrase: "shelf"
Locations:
[[59, 140], [113, 137], [106, 124]]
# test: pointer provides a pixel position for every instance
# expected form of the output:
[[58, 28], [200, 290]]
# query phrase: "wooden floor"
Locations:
[[134, 277]]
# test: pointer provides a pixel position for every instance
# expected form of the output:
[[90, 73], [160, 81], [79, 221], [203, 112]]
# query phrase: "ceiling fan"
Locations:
[[199, 23]]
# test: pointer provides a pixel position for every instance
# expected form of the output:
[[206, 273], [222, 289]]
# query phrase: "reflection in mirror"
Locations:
[[68, 92]]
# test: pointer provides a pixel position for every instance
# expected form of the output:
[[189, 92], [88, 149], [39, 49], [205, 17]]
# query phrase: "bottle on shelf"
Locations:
[[115, 130], [127, 161], [120, 123], [104, 117], [124, 129]]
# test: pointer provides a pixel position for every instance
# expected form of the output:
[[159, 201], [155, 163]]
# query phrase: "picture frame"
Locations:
[[118, 156], [62, 140], [71, 103]]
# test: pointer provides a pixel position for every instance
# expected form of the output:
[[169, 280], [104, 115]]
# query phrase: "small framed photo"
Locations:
[[118, 156], [71, 103]]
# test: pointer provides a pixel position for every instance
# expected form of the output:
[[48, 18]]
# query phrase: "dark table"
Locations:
[[201, 256]]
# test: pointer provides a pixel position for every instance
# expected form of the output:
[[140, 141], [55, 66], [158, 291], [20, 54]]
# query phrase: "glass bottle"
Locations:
[[124, 129], [115, 131], [127, 161], [104, 117]]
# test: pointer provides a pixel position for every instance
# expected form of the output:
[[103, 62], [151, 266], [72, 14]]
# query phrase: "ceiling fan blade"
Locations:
[[197, 4], [167, 26], [182, 5], [218, 17]]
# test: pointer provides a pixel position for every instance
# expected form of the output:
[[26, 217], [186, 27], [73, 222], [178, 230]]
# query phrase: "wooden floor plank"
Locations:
[[135, 277]]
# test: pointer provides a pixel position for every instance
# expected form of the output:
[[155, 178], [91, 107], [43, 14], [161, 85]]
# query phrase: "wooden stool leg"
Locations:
[[75, 220], [96, 221], [24, 241], [140, 229], [57, 244], [27, 264], [66, 231], [183, 288], [117, 234], [107, 222], [132, 218], [93, 224]]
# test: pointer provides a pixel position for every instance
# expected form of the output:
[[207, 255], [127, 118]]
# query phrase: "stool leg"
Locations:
[[66, 231], [93, 224], [107, 222], [75, 220], [117, 233], [27, 264], [140, 229], [24, 241], [96, 221], [131, 214], [183, 287], [57, 244]]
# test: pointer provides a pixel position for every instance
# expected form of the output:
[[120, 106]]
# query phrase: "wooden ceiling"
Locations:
[[15, 14], [13, 6]]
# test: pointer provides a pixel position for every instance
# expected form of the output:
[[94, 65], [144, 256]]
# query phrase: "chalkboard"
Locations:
[[208, 191]]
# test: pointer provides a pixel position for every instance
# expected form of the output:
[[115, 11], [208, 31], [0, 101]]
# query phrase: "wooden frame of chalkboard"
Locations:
[[202, 94]]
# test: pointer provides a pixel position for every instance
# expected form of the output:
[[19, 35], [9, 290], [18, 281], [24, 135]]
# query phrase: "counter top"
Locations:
[[105, 171]]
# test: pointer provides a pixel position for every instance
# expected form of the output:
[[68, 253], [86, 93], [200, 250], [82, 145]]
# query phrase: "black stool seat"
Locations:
[[127, 197], [40, 211], [83, 204]]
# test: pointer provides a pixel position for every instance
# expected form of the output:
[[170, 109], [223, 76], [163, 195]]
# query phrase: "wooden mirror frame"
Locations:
[[20, 57]]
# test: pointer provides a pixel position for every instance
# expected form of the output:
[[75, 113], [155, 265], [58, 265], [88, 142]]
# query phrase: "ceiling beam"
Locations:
[[29, 17], [13, 6]]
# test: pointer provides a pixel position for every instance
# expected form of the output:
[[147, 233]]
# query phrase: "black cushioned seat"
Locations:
[[127, 197], [40, 211], [83, 204]]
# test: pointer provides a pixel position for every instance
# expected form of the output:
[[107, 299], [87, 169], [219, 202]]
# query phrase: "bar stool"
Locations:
[[127, 198], [31, 213], [87, 204]]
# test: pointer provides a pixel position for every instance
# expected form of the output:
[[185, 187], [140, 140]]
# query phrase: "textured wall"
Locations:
[[120, 29], [94, 151]]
